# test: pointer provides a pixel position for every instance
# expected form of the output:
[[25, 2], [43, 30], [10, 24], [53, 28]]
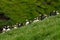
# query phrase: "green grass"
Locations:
[[48, 29], [19, 10]]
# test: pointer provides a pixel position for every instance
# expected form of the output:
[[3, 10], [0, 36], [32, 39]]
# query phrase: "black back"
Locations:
[[53, 13], [41, 17], [5, 26], [20, 24]]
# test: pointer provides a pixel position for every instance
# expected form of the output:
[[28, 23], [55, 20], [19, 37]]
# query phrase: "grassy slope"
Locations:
[[19, 10], [48, 29]]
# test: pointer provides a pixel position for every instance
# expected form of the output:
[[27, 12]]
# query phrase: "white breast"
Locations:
[[8, 29], [4, 29], [15, 27], [27, 23], [35, 20]]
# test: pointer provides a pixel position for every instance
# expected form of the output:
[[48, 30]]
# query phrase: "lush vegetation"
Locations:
[[48, 29], [19, 10]]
